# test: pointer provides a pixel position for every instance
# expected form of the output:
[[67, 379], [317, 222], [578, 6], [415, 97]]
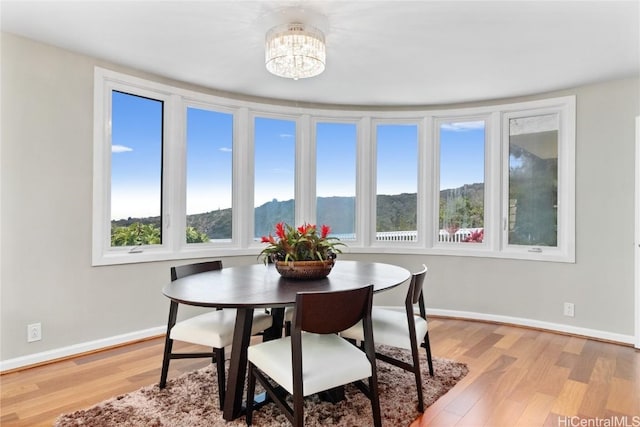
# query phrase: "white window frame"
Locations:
[[180, 221], [565, 249], [418, 122], [176, 100], [298, 190], [102, 251], [313, 207], [489, 183]]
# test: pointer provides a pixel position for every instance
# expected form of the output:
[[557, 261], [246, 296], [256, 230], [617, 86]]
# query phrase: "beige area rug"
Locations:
[[192, 400]]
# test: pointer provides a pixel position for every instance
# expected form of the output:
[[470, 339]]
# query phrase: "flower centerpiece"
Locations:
[[301, 252]]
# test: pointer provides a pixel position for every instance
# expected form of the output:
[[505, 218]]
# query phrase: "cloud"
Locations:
[[286, 135], [463, 126], [120, 148], [225, 149]]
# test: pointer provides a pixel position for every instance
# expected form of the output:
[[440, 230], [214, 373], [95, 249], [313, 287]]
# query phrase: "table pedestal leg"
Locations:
[[238, 364], [275, 331]]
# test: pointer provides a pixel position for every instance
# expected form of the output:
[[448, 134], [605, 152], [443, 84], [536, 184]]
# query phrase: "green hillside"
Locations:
[[459, 207]]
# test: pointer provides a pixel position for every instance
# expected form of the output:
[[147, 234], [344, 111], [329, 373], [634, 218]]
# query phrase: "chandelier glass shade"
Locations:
[[295, 51]]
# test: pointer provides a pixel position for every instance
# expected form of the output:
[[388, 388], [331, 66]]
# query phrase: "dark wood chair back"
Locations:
[[189, 269], [415, 287], [331, 312]]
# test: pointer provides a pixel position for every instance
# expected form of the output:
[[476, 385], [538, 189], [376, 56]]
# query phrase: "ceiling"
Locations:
[[378, 52]]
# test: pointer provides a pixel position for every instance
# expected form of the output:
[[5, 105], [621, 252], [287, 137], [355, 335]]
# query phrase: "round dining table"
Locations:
[[259, 286]]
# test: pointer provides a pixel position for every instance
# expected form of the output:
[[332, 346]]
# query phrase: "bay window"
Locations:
[[181, 174]]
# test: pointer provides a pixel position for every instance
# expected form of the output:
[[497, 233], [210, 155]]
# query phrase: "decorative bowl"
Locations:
[[304, 269]]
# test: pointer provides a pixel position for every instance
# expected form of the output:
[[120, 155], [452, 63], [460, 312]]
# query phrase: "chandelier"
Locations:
[[295, 51]]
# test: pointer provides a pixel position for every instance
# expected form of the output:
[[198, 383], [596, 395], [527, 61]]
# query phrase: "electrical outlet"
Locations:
[[34, 332], [569, 309]]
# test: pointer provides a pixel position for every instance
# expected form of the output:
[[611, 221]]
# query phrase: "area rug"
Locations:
[[192, 400]]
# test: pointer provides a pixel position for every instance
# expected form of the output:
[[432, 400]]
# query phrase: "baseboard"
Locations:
[[72, 350], [529, 323], [537, 324]]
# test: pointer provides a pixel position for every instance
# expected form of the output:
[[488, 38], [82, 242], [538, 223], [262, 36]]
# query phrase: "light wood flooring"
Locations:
[[517, 377]]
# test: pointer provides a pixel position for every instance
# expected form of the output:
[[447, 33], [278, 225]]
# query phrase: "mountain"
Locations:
[[459, 206]]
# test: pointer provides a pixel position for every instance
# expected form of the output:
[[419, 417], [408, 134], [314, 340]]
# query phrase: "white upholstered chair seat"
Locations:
[[288, 314], [389, 328], [327, 361], [215, 329]]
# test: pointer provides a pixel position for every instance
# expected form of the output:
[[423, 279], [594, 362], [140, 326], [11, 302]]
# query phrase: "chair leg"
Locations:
[[168, 345], [219, 352], [375, 402], [251, 391], [416, 372], [427, 347], [298, 410]]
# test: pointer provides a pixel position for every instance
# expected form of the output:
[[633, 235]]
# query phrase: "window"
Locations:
[[180, 174], [336, 178], [209, 175], [461, 195], [539, 181], [533, 180], [397, 182], [136, 170], [274, 186]]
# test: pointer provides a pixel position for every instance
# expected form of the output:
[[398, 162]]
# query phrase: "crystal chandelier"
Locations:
[[295, 51]]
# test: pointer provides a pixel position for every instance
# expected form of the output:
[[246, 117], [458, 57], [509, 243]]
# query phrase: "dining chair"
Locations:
[[314, 358], [401, 329], [213, 329]]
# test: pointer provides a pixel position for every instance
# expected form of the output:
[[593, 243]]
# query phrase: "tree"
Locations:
[[148, 234], [194, 236], [533, 187], [135, 234]]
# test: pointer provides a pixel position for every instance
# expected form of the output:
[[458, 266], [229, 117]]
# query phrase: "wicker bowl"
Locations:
[[304, 269]]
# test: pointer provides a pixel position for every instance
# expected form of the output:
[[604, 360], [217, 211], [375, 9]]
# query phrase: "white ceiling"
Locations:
[[378, 52]]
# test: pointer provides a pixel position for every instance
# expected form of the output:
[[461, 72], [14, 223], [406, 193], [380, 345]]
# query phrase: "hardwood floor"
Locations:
[[517, 377]]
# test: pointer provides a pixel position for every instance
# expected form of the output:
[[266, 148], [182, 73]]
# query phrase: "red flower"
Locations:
[[305, 228], [268, 239], [475, 237], [280, 231], [325, 231]]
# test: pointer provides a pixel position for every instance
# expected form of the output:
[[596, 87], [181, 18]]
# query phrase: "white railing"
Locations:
[[412, 235], [397, 236], [459, 236]]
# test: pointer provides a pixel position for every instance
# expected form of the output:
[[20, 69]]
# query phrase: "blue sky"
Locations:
[[461, 154], [274, 160], [209, 160], [137, 145], [336, 159]]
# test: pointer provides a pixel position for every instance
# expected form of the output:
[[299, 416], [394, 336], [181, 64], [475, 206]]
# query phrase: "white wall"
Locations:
[[46, 274]]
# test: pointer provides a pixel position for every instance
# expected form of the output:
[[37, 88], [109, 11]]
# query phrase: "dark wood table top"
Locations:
[[259, 286]]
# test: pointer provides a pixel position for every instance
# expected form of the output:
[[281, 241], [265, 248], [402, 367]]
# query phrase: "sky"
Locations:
[[136, 161]]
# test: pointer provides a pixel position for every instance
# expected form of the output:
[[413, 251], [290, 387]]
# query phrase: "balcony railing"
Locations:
[[458, 236]]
